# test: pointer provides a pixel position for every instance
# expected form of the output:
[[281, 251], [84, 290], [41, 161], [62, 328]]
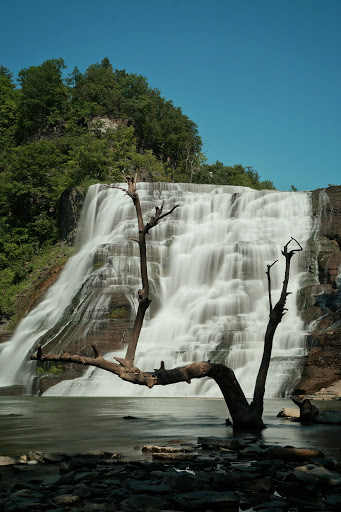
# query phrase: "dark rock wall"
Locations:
[[71, 203], [320, 299]]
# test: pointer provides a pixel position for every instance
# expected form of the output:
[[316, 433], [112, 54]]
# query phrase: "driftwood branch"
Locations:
[[269, 283]]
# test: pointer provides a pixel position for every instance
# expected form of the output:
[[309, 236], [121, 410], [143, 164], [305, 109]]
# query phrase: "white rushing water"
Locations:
[[207, 264]]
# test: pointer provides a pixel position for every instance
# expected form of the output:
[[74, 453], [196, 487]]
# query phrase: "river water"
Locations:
[[76, 424]]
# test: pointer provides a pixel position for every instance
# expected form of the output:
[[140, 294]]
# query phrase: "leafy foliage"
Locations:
[[57, 133]]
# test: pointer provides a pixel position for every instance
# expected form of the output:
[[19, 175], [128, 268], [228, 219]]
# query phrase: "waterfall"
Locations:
[[206, 263]]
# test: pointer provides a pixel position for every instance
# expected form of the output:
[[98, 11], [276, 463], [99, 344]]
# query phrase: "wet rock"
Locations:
[[212, 500], [320, 474], [64, 468], [259, 485], [145, 502], [99, 454], [288, 413], [166, 449], [80, 462], [7, 461], [329, 418], [272, 505], [85, 476], [66, 499], [334, 501], [52, 457], [117, 456], [226, 480], [180, 482], [36, 456], [82, 490], [147, 488], [231, 444], [101, 507], [293, 454]]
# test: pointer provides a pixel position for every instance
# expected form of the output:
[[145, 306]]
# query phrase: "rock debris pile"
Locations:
[[216, 475]]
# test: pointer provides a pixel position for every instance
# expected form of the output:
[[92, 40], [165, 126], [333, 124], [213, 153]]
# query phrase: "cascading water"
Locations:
[[207, 265]]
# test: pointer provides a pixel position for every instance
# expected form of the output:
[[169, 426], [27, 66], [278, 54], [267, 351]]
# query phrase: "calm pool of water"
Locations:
[[71, 425]]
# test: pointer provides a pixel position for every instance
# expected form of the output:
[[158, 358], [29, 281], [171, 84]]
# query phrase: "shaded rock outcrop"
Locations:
[[70, 206], [320, 299]]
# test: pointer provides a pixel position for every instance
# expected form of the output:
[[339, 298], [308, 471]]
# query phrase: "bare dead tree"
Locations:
[[244, 415]]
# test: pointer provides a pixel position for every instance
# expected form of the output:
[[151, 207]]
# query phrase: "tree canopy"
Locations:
[[61, 131]]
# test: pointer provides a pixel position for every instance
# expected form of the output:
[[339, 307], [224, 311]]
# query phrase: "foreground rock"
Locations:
[[225, 476], [322, 417]]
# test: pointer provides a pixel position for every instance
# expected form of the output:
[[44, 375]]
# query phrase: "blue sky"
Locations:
[[261, 78]]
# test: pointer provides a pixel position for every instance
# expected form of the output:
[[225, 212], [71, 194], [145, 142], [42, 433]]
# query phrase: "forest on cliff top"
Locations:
[[61, 132]]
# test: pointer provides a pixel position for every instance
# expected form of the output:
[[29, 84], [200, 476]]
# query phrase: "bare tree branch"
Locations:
[[276, 315], [269, 284]]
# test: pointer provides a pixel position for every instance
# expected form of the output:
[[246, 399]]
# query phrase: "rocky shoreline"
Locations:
[[215, 475]]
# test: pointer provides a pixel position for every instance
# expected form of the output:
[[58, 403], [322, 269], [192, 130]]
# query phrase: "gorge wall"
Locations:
[[321, 303]]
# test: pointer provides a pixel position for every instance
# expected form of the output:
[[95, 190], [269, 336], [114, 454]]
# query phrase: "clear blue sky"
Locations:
[[261, 78]]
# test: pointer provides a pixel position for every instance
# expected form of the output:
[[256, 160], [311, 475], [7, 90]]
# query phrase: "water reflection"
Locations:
[[72, 425]]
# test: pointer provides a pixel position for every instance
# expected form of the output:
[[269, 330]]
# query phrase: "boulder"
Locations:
[[293, 454], [7, 461], [209, 500], [66, 499], [288, 413], [329, 418]]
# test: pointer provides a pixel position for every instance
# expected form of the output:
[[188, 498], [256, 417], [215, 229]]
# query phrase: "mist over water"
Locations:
[[206, 263]]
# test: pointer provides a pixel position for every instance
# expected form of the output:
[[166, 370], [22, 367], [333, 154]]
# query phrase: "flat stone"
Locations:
[[289, 413], [66, 499], [231, 444], [259, 485], [148, 488], [144, 502], [52, 457], [87, 475], [166, 449], [293, 454], [7, 461], [209, 500]]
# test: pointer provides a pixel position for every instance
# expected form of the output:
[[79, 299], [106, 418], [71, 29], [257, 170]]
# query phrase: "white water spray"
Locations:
[[207, 265]]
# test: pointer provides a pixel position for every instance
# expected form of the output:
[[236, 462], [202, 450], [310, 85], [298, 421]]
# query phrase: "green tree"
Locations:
[[8, 110], [43, 100]]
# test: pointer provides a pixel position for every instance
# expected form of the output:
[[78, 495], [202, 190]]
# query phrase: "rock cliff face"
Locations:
[[70, 206], [320, 300]]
